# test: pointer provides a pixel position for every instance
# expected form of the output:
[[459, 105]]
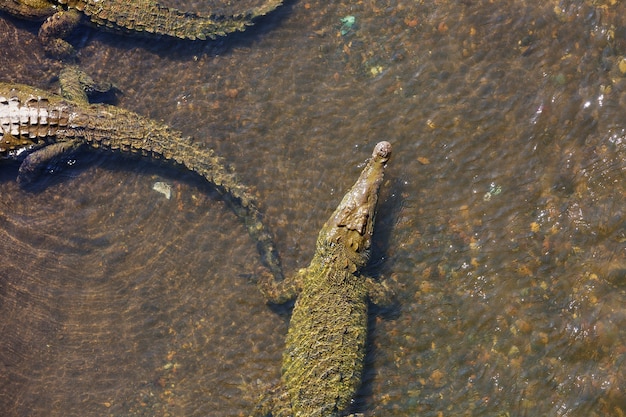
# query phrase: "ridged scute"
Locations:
[[28, 123]]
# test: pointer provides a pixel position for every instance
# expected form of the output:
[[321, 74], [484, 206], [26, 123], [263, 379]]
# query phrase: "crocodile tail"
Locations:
[[135, 134], [241, 201], [259, 232], [37, 11], [152, 18]]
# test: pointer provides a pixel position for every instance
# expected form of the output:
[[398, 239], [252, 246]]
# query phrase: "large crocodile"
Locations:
[[37, 126], [325, 346], [131, 16]]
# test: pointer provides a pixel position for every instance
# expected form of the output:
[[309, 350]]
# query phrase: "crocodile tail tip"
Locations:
[[382, 151]]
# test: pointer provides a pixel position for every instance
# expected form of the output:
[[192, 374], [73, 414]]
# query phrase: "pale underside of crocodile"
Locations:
[[325, 347], [37, 126], [141, 17]]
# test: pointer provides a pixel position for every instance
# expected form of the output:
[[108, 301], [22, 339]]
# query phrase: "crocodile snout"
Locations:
[[382, 152]]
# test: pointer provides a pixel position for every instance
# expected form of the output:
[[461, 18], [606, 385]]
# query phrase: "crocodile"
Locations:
[[146, 17], [325, 345], [36, 127]]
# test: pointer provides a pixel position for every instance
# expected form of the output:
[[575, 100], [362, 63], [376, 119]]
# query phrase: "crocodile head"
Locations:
[[346, 236]]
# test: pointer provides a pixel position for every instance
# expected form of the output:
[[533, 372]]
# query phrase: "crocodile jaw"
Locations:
[[349, 230]]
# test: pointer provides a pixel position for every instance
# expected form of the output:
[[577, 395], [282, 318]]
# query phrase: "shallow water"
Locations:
[[501, 223]]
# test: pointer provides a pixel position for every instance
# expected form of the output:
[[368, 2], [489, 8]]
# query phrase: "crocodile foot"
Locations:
[[47, 159], [55, 29]]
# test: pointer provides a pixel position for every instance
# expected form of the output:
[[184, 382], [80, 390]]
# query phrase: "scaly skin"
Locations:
[[131, 16], [42, 125], [325, 346]]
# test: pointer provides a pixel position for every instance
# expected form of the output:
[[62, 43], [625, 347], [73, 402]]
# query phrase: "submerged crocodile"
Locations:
[[36, 127], [325, 346], [131, 16]]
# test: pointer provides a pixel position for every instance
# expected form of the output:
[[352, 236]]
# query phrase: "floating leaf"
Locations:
[[163, 188]]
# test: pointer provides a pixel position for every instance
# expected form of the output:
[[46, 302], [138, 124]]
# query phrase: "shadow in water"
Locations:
[[68, 166]]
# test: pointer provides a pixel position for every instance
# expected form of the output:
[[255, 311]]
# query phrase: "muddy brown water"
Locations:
[[501, 224]]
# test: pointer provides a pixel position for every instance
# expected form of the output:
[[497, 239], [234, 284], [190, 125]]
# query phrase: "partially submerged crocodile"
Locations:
[[132, 16], [37, 126], [325, 346]]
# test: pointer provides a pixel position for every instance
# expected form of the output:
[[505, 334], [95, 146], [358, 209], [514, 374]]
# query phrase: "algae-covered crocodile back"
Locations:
[[325, 346]]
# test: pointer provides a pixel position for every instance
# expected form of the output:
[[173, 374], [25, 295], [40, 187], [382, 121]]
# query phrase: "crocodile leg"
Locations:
[[379, 293], [76, 85], [43, 159], [275, 402], [279, 292], [57, 27]]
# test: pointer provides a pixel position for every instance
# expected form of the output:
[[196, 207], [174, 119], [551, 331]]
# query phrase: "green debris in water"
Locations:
[[346, 24], [560, 79], [493, 190]]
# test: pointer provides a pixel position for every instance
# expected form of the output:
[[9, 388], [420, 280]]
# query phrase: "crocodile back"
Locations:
[[325, 346]]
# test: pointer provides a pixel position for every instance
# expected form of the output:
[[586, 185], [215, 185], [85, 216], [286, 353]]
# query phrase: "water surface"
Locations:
[[501, 224]]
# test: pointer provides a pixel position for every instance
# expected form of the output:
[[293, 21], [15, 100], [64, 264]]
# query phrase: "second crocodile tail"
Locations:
[[152, 18], [205, 163]]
